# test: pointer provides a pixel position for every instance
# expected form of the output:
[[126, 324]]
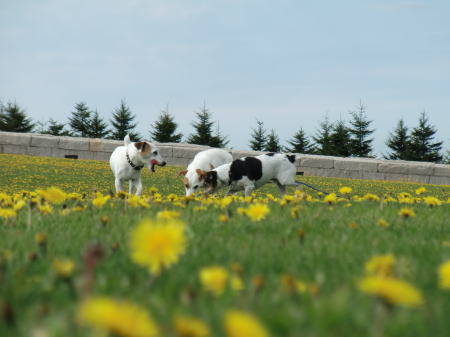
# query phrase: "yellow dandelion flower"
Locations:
[[63, 267], [119, 318], [345, 190], [223, 218], [157, 245], [241, 210], [236, 283], [432, 201], [7, 213], [99, 201], [392, 290], [19, 205], [167, 215], [214, 279], [294, 212], [53, 195], [242, 324], [301, 286], [330, 199], [186, 326], [45, 209], [407, 212], [382, 223], [371, 197], [172, 197], [41, 238], [224, 202], [380, 265], [421, 190], [444, 275], [257, 212]]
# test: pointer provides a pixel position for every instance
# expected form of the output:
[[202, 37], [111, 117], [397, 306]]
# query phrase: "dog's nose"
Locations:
[[163, 163]]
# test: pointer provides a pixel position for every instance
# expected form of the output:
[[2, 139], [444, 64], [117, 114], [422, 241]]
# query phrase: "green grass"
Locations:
[[332, 256]]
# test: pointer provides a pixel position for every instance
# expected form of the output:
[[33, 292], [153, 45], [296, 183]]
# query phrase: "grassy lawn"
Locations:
[[296, 271]]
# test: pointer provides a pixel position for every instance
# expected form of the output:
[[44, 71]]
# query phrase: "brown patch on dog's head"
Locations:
[[143, 147], [182, 172], [201, 174], [211, 180], [186, 182]]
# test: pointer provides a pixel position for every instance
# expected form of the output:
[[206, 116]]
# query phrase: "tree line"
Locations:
[[340, 138]]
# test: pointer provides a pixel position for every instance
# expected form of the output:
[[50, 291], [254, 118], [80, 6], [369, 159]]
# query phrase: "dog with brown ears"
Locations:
[[128, 160]]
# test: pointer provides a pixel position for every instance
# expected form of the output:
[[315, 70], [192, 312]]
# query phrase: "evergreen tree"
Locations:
[[13, 118], [259, 137], [219, 140], [422, 147], [204, 131], [164, 129], [98, 128], [122, 123], [340, 140], [273, 142], [398, 142], [447, 158], [56, 129], [80, 120], [361, 145], [322, 139], [300, 143]]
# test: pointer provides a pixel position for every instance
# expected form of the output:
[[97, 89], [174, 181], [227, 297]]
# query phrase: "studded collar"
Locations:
[[136, 167]]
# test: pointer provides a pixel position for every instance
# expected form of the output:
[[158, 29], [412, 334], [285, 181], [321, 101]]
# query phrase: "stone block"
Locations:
[[418, 178], [15, 149], [74, 143], [15, 138], [99, 155], [392, 167], [426, 169], [165, 151], [436, 180], [104, 145], [372, 175], [352, 174], [356, 164], [185, 152], [61, 153], [45, 141], [40, 151], [317, 161], [442, 170], [178, 162], [395, 176]]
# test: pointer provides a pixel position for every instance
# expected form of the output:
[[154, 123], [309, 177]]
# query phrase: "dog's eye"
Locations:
[[155, 153], [196, 186], [186, 185]]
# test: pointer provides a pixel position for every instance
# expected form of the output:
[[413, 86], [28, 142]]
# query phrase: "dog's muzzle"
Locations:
[[155, 162]]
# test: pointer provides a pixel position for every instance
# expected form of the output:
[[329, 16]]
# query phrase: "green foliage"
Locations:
[[340, 140], [300, 143], [204, 131], [361, 145], [56, 129], [122, 123], [322, 139], [422, 146], [97, 127], [259, 137], [80, 120], [14, 119], [398, 142], [164, 129], [273, 142]]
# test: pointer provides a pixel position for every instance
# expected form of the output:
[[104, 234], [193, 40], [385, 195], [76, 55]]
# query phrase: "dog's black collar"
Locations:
[[136, 167]]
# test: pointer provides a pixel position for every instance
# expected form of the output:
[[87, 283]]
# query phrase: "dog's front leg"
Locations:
[[130, 186], [138, 184], [119, 186], [249, 189]]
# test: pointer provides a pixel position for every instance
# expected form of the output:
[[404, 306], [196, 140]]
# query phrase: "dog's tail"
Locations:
[[127, 140]]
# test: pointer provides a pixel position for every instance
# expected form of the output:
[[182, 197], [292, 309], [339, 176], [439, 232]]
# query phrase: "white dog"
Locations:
[[128, 160], [249, 173], [203, 161]]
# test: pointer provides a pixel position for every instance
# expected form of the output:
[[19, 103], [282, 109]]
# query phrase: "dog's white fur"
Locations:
[[276, 168], [139, 154], [203, 161]]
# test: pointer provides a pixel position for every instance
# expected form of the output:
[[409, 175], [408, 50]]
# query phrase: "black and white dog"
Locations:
[[249, 173]]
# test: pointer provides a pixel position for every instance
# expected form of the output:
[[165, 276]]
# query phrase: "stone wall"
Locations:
[[181, 154]]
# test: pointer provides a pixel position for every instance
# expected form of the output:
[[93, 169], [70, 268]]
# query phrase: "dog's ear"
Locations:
[[201, 173], [211, 167], [141, 146], [182, 173]]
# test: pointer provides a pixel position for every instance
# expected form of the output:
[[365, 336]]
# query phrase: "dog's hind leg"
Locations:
[[119, 186], [130, 186], [138, 185], [249, 189]]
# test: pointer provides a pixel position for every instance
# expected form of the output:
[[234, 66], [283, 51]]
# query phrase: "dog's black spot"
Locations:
[[250, 167], [211, 179], [291, 158], [270, 154]]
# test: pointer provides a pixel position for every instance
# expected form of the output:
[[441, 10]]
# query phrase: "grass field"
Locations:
[[287, 267]]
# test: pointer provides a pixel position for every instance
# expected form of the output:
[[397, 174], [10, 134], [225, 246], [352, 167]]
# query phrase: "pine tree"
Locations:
[[204, 131], [446, 159], [80, 120], [421, 143], [300, 143], [122, 123], [259, 137], [361, 145], [219, 140], [14, 119], [273, 142], [56, 129], [322, 139], [398, 142], [340, 140], [98, 128], [163, 130]]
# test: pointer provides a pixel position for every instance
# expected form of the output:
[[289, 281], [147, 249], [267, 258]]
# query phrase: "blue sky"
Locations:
[[287, 63]]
